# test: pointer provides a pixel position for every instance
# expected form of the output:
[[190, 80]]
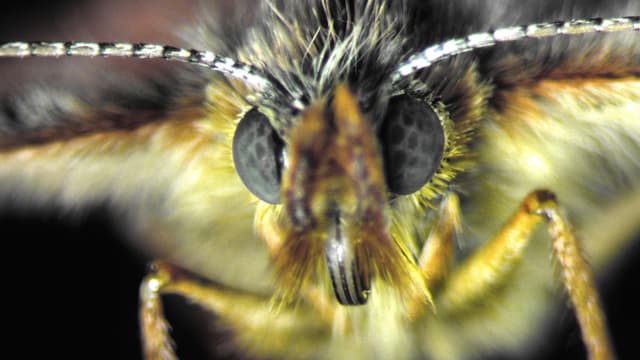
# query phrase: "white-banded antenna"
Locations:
[[447, 49], [247, 73], [250, 75], [272, 91]]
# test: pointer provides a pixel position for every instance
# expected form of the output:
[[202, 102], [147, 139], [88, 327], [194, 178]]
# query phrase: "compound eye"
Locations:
[[258, 156], [413, 143]]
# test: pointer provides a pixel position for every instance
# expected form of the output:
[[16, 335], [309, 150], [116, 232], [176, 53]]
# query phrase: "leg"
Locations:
[[165, 279], [156, 341], [246, 314], [438, 251], [491, 264], [437, 254]]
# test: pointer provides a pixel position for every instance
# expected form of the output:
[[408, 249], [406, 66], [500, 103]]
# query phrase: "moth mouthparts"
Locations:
[[350, 281]]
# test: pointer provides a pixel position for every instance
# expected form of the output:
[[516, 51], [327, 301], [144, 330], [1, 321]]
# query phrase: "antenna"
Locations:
[[447, 49], [250, 75], [271, 90]]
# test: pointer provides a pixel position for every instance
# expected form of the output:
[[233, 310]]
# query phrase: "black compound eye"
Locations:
[[413, 143], [258, 156]]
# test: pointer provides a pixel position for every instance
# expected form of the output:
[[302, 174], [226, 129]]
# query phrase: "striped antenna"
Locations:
[[250, 75], [274, 92], [447, 49]]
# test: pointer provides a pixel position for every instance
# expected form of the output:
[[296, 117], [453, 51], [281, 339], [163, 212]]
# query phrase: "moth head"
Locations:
[[369, 139], [338, 138], [334, 175]]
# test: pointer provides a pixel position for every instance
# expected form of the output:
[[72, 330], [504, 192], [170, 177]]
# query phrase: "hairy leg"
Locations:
[[490, 265]]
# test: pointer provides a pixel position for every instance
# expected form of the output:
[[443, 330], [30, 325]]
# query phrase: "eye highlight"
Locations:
[[413, 142], [258, 156]]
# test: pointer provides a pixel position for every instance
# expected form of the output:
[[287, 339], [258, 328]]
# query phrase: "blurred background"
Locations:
[[71, 282]]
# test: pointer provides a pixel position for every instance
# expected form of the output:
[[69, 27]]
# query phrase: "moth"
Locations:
[[319, 264]]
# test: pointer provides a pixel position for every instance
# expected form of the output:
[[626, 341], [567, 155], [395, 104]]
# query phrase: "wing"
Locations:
[[106, 146], [563, 115], [151, 152]]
